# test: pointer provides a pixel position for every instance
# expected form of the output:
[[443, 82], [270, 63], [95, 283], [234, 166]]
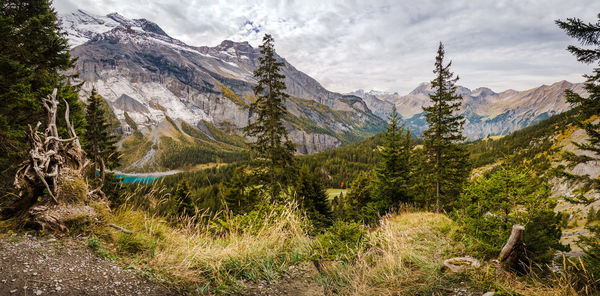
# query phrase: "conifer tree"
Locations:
[[33, 57], [588, 107], [359, 204], [446, 159], [313, 198], [99, 142], [274, 152], [588, 34], [392, 175], [240, 194], [184, 199]]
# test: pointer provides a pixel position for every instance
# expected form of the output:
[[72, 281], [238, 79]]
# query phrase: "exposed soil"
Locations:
[[45, 266]]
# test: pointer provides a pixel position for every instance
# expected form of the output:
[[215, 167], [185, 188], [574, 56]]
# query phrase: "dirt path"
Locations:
[[46, 266]]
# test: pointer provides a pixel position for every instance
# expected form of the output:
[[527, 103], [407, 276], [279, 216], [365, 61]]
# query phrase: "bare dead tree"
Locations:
[[51, 160]]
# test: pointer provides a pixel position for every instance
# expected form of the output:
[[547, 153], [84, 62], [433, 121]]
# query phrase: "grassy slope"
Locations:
[[404, 255]]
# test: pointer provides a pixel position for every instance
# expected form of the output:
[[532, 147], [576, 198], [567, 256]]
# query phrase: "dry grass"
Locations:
[[402, 256], [405, 258], [205, 257]]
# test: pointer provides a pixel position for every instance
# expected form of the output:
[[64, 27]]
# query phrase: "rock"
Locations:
[[489, 294]]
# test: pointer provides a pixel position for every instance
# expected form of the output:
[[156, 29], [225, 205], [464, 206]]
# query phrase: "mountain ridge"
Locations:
[[196, 84], [486, 112]]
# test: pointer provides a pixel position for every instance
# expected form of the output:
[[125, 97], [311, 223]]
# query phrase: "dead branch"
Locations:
[[120, 228]]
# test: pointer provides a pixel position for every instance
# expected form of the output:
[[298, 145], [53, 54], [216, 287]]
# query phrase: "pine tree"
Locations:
[[421, 190], [359, 204], [313, 198], [239, 193], [184, 199], [392, 175], [34, 55], [274, 151], [587, 34], [588, 107], [446, 159], [592, 215], [99, 142]]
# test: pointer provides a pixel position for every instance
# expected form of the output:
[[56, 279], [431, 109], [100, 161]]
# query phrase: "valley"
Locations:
[[196, 148]]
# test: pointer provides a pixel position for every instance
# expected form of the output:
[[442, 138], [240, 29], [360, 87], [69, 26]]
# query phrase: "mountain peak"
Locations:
[[482, 92], [423, 88], [82, 26]]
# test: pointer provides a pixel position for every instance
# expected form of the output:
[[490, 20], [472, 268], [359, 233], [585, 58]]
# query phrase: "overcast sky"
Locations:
[[382, 45]]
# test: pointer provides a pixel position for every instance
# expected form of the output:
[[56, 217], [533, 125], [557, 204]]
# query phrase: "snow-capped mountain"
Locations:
[[150, 78], [486, 112]]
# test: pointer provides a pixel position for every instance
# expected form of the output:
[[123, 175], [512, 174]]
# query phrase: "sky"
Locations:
[[382, 45]]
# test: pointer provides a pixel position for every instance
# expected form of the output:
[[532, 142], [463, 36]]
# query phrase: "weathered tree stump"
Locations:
[[513, 252], [51, 182]]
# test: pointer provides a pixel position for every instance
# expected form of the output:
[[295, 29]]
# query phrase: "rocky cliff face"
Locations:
[[486, 112], [142, 71]]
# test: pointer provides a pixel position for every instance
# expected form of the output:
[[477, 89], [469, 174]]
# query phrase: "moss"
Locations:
[[79, 223], [73, 190]]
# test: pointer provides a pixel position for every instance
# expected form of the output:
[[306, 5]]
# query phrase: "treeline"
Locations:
[[180, 154]]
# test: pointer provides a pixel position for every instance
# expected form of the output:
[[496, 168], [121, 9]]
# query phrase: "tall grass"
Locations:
[[404, 258], [405, 255], [222, 254]]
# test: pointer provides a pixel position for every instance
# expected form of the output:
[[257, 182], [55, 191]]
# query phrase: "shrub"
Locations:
[[342, 241], [492, 205], [94, 243]]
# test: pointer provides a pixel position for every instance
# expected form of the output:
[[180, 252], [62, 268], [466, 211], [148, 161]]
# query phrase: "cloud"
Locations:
[[384, 45]]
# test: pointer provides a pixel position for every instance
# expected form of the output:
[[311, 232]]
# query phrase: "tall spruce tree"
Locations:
[[588, 34], [99, 141], [588, 107], [392, 175], [274, 152], [33, 57], [447, 160]]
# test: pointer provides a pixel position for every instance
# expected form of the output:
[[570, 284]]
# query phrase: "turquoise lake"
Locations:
[[138, 179]]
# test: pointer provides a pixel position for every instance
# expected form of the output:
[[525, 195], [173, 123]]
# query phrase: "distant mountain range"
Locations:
[[167, 94], [487, 113]]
